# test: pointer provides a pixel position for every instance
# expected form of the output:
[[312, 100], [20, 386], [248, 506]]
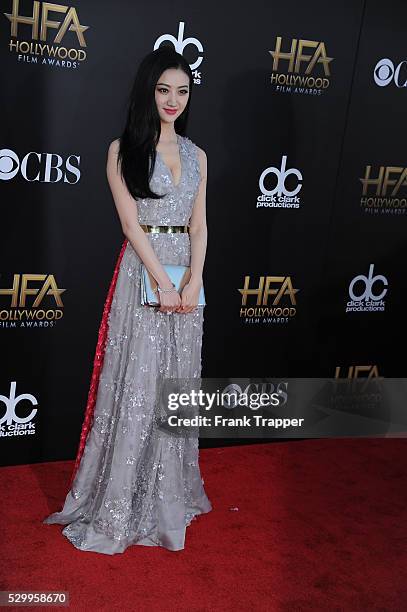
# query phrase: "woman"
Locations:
[[132, 482]]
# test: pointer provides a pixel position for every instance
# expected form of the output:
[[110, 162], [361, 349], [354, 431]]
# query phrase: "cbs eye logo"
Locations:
[[9, 164], [385, 72]]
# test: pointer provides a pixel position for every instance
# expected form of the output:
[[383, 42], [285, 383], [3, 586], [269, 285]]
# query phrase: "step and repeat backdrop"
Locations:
[[300, 108]]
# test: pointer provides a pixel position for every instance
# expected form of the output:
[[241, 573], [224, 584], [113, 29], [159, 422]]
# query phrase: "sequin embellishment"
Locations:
[[134, 484]]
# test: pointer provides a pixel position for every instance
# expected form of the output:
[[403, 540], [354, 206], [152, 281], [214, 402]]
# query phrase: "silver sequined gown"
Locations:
[[134, 486]]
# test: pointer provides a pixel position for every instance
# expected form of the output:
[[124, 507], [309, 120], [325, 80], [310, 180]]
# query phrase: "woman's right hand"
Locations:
[[169, 301]]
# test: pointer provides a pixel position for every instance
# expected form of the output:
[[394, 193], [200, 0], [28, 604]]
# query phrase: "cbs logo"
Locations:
[[46, 166], [385, 72]]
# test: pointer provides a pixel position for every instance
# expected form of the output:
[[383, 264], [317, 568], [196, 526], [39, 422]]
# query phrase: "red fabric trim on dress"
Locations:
[[97, 365]]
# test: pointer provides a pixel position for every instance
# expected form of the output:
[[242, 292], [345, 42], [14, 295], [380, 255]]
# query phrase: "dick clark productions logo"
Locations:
[[10, 423], [280, 196], [362, 292], [179, 45]]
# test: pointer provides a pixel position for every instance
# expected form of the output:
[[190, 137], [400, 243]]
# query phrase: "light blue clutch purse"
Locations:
[[179, 275]]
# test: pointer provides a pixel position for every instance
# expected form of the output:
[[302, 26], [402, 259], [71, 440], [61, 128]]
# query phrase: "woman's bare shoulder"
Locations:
[[201, 152], [114, 146]]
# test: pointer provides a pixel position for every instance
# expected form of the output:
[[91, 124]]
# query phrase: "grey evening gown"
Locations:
[[136, 484]]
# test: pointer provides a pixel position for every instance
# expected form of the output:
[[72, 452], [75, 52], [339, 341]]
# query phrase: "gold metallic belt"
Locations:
[[164, 229]]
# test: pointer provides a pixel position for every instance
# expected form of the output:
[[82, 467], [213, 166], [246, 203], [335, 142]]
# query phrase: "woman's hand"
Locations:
[[190, 296], [169, 301]]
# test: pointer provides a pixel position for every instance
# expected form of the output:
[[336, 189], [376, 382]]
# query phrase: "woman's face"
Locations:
[[171, 94]]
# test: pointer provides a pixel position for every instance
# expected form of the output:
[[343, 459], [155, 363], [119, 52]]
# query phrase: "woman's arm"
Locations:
[[126, 207], [197, 226], [198, 237]]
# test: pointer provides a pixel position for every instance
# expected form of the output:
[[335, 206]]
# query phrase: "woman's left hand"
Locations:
[[190, 296]]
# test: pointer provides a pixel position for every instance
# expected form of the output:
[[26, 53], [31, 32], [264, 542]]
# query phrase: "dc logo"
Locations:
[[368, 282], [385, 72], [180, 44], [281, 174], [11, 403]]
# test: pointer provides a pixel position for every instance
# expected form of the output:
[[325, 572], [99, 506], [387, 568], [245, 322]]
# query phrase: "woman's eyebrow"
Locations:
[[166, 84]]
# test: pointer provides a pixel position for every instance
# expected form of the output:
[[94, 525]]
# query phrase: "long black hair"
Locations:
[[143, 125]]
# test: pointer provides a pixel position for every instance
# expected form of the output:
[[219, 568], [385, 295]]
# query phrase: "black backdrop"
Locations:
[[331, 112]]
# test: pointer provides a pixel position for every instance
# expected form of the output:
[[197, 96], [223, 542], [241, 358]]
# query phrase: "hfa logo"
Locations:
[[11, 424], [41, 23], [180, 44], [39, 313], [41, 167], [292, 69], [359, 392], [361, 377], [384, 190], [358, 388], [280, 196], [367, 372], [282, 307], [362, 295], [386, 72]]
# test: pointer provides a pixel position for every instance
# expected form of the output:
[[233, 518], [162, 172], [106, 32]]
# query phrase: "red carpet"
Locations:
[[320, 525]]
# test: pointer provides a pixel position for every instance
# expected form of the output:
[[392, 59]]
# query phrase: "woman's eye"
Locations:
[[164, 90]]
